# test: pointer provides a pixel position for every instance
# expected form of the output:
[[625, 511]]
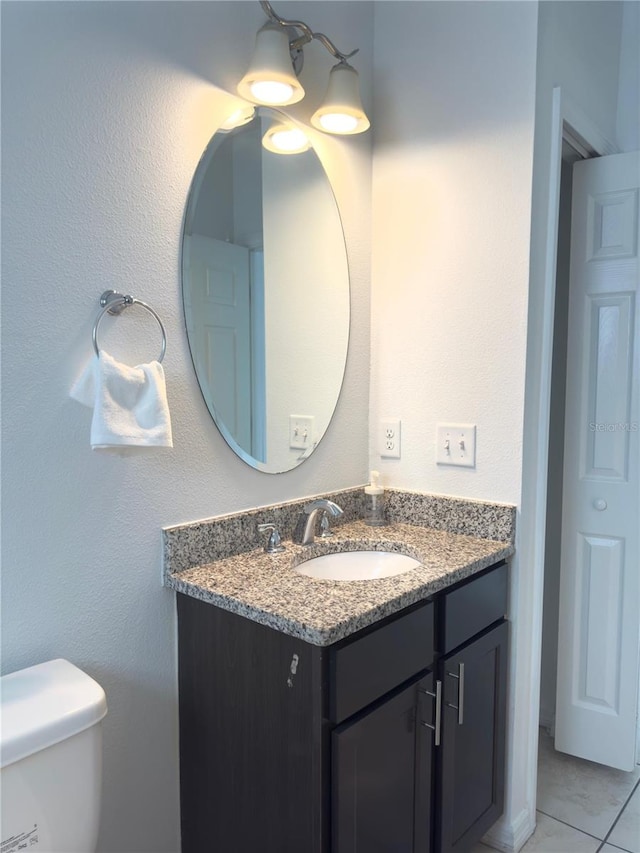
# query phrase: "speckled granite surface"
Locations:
[[265, 587], [200, 542], [455, 515], [188, 545]]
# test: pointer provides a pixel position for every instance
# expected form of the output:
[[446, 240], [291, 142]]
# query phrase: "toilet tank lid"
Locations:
[[45, 704]]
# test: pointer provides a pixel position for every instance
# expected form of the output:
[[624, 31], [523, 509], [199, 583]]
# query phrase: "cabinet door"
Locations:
[[471, 761], [374, 777]]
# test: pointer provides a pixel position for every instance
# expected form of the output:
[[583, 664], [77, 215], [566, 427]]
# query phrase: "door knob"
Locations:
[[600, 504]]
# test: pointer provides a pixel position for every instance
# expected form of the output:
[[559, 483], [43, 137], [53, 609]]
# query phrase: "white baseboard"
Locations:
[[511, 837]]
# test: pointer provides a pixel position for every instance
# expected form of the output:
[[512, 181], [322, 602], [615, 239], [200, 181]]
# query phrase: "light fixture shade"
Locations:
[[270, 78], [286, 139], [243, 115], [341, 111]]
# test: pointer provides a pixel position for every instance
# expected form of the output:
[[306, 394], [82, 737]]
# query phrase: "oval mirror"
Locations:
[[265, 286]]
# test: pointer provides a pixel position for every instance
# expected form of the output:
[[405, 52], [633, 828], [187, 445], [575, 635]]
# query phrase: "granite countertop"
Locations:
[[265, 588]]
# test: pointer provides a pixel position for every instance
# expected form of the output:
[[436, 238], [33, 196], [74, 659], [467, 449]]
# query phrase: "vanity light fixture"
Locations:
[[286, 139], [341, 111], [272, 77]]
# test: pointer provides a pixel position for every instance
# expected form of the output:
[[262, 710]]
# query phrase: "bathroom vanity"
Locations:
[[382, 732]]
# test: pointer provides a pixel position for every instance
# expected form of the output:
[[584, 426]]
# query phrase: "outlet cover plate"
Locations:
[[389, 438], [456, 445]]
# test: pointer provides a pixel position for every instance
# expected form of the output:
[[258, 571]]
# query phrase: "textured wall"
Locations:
[[106, 109], [452, 176], [628, 119]]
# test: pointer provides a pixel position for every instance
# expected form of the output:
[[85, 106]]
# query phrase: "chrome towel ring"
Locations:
[[114, 303]]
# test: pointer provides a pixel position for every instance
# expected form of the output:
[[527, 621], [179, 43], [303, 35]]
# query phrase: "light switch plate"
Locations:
[[301, 431], [456, 445]]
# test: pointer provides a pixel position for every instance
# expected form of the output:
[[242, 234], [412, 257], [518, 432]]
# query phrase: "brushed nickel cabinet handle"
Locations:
[[459, 676], [437, 726]]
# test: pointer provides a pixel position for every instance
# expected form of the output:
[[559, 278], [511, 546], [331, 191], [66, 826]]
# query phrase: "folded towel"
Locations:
[[129, 403]]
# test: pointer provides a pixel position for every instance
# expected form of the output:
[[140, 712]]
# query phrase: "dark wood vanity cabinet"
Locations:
[[374, 769], [287, 747], [471, 759], [472, 642], [382, 709]]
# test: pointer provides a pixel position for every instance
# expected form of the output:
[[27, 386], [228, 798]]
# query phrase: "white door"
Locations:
[[598, 642], [219, 318]]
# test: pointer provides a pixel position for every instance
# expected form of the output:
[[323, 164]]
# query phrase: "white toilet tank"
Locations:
[[50, 759]]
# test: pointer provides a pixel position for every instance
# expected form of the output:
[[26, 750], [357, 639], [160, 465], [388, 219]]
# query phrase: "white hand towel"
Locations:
[[129, 403]]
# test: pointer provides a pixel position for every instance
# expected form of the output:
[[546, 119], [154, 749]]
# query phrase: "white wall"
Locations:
[[106, 109], [452, 175], [628, 119], [579, 48]]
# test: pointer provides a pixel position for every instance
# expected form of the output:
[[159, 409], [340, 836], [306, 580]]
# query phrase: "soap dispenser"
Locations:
[[374, 501]]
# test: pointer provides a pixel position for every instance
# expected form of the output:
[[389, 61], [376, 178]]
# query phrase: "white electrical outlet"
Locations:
[[301, 431], [389, 438], [456, 445]]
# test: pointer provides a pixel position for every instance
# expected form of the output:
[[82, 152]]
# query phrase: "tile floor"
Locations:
[[582, 807]]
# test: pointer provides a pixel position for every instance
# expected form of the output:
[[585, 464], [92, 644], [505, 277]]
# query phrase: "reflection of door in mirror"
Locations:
[[221, 325], [225, 301]]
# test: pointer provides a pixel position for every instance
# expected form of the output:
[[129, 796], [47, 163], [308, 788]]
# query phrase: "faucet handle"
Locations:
[[273, 544]]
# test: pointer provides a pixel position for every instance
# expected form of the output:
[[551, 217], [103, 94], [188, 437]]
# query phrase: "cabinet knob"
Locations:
[[600, 504]]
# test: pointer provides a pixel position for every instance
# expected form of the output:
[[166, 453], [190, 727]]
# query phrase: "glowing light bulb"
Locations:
[[338, 122], [271, 91], [283, 139], [289, 140]]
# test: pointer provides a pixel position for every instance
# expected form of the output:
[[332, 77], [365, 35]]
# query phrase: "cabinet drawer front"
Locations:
[[367, 668], [473, 607]]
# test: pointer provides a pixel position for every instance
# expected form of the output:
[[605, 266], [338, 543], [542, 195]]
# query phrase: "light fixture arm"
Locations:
[[307, 33]]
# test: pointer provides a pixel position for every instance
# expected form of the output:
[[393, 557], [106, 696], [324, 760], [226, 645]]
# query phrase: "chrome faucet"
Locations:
[[273, 544], [312, 511]]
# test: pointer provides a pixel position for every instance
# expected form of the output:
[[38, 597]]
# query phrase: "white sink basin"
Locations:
[[357, 565]]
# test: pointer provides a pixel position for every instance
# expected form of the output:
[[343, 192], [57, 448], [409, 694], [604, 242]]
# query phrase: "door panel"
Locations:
[[608, 339], [596, 679], [597, 684]]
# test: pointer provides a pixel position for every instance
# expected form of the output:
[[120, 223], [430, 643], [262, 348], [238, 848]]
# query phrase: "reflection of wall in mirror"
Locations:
[[229, 204], [211, 218], [306, 300]]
